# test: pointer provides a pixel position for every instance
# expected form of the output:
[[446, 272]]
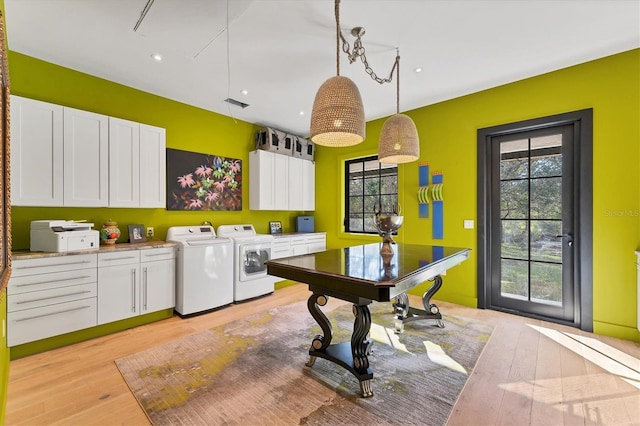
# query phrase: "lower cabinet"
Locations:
[[51, 296], [56, 294], [135, 282]]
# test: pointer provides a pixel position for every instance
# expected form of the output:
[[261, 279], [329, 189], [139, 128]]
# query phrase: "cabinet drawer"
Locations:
[[47, 265], [37, 299], [151, 255], [30, 283], [39, 323], [124, 257]]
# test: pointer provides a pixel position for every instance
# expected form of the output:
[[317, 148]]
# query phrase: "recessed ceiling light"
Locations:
[[418, 69], [244, 92], [156, 57], [301, 113]]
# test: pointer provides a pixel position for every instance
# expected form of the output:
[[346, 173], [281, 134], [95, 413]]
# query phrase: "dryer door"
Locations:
[[252, 262]]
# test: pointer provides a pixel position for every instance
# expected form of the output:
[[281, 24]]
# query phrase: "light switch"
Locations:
[[468, 224]]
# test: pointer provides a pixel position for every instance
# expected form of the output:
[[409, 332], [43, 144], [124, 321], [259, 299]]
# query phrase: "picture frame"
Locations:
[[275, 227], [136, 234], [5, 192]]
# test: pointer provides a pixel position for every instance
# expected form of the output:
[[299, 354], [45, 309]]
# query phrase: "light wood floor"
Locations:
[[531, 372]]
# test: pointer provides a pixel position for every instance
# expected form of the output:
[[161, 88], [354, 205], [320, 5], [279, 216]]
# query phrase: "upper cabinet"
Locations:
[[137, 164], [36, 153], [153, 166], [280, 182], [67, 157], [86, 158]]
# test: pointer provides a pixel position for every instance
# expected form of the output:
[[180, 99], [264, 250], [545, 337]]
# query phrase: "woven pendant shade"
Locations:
[[399, 141], [337, 118]]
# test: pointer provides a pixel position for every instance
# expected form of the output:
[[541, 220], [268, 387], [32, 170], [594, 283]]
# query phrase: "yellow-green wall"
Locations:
[[448, 135], [188, 128]]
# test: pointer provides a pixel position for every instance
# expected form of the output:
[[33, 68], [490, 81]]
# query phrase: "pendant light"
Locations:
[[337, 118], [399, 142]]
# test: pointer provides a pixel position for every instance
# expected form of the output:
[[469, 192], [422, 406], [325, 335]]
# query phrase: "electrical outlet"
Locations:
[[150, 232]]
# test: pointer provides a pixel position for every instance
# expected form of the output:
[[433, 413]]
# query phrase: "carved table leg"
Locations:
[[351, 355], [404, 313], [320, 342]]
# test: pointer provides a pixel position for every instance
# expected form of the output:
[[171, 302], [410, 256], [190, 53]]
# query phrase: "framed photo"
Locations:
[[275, 227], [136, 234]]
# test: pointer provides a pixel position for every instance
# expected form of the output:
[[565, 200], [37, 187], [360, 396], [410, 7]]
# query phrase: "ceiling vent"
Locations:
[[236, 103]]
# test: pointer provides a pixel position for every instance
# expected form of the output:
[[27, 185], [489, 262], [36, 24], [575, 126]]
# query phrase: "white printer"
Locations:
[[63, 235]]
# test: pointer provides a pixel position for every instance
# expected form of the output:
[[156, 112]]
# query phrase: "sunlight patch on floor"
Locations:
[[623, 365], [439, 356], [387, 336]]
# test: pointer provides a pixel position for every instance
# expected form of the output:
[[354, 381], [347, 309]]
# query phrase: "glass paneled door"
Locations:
[[532, 269]]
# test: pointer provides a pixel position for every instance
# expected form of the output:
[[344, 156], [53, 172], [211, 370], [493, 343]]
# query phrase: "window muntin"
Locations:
[[369, 184]]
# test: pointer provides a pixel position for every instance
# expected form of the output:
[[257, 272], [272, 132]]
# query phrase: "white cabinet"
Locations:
[[63, 156], [137, 164], [50, 296], [157, 287], [280, 182], [36, 153], [118, 285], [302, 184], [124, 163], [268, 181], [281, 247], [316, 242], [135, 282], [153, 166], [86, 159]]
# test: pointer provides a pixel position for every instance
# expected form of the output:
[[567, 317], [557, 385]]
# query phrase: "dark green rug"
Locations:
[[252, 372]]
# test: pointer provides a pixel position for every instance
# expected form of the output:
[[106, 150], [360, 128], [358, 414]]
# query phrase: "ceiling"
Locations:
[[281, 51]]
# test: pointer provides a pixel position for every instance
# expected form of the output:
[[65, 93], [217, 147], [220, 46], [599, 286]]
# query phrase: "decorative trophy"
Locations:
[[387, 224]]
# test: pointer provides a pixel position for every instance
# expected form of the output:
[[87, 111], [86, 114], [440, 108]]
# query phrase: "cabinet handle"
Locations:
[[56, 264], [144, 289], [53, 281], [52, 297], [53, 313], [155, 254], [133, 290], [110, 259]]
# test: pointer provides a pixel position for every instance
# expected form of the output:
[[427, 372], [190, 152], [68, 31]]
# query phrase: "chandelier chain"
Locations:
[[358, 52]]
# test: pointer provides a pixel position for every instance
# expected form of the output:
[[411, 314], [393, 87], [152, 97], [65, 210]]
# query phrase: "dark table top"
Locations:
[[360, 274]]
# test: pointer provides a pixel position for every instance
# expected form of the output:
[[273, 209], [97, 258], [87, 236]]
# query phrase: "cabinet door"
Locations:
[[118, 285], [86, 159], [157, 290], [118, 292], [124, 163], [281, 182], [153, 169], [308, 185], [296, 187], [36, 153], [261, 187]]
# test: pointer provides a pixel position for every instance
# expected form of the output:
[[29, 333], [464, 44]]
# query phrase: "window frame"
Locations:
[[383, 170]]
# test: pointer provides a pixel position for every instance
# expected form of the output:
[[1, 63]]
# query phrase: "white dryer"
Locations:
[[251, 251], [204, 269]]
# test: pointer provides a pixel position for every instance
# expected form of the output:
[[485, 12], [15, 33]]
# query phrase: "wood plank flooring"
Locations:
[[530, 373]]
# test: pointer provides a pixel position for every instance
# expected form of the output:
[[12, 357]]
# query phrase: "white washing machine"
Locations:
[[251, 251], [204, 269]]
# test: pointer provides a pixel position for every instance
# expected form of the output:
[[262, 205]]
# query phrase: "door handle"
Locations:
[[569, 236]]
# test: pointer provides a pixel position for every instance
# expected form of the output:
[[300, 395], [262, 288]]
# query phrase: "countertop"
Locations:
[[26, 254], [297, 234]]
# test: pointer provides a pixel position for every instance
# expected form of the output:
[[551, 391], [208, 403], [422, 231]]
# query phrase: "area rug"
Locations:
[[252, 372]]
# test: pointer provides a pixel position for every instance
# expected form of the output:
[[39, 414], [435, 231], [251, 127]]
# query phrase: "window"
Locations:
[[370, 187]]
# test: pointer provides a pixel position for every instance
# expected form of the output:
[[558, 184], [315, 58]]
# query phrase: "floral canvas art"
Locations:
[[198, 181]]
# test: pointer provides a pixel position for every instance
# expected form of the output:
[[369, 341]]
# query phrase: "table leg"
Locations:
[[404, 313], [351, 355]]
